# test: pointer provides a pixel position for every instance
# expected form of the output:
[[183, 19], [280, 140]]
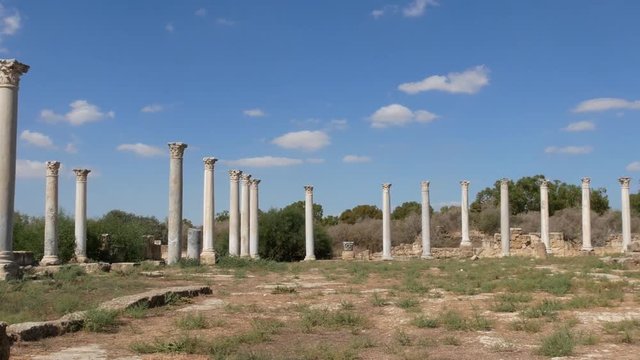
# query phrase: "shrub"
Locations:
[[101, 320], [560, 343]]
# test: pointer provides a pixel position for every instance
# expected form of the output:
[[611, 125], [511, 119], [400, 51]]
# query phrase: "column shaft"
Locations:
[[505, 233], [193, 244], [234, 213], [544, 215], [174, 228], [308, 223], [586, 215], [386, 222], [208, 255], [426, 221], [626, 213], [244, 216], [464, 207], [51, 216], [253, 219], [81, 215]]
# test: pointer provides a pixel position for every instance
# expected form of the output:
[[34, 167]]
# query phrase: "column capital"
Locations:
[[386, 186], [505, 181], [544, 183], [625, 181], [308, 189], [52, 168], [254, 183], [424, 185], [465, 183], [10, 72], [177, 149], [81, 174], [234, 175], [209, 162], [586, 181], [246, 178]]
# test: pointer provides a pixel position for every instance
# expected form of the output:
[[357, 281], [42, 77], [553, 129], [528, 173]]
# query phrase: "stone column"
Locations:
[[193, 244], [626, 213], [253, 219], [10, 72], [586, 215], [386, 222], [464, 207], [505, 233], [308, 223], [426, 221], [174, 228], [51, 216], [244, 216], [81, 215], [208, 255], [544, 215], [234, 213]]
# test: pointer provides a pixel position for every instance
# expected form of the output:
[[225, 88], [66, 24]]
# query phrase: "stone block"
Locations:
[[124, 267], [348, 255], [634, 247], [95, 268], [24, 258], [364, 255], [5, 342]]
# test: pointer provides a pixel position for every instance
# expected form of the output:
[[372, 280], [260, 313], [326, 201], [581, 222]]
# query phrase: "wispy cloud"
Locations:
[[71, 148], [201, 12], [399, 115], [153, 108], [140, 149], [10, 23], [569, 150], [37, 139], [338, 124], [81, 112], [225, 22], [314, 161], [634, 166], [351, 159], [303, 140], [377, 13], [169, 27], [417, 8], [29, 169], [581, 126], [263, 162], [604, 104], [254, 112], [469, 81]]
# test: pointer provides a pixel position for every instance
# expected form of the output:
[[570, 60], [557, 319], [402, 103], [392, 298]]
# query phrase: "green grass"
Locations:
[[101, 320], [192, 322], [454, 321], [138, 311], [422, 322], [524, 324], [560, 343], [346, 305], [184, 344], [626, 331], [408, 304], [312, 318], [377, 300], [547, 308], [283, 290], [451, 340]]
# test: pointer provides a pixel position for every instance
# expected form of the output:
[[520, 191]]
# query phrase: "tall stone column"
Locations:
[[505, 233], [464, 207], [208, 255], [193, 244], [10, 73], [626, 213], [544, 215], [174, 228], [426, 221], [81, 215], [244, 216], [253, 219], [308, 223], [51, 216], [386, 222], [234, 213], [586, 215]]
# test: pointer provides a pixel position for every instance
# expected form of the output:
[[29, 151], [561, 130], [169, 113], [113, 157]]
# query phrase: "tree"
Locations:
[[405, 209], [360, 213], [317, 209], [28, 235], [634, 202]]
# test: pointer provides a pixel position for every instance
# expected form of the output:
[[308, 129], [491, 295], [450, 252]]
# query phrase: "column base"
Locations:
[[255, 257], [309, 258], [245, 256], [9, 271], [81, 259], [426, 256], [50, 260], [505, 255], [586, 249], [464, 243], [208, 258], [387, 258]]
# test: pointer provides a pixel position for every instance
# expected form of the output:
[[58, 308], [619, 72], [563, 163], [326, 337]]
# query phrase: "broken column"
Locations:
[[51, 216], [253, 219], [586, 215], [464, 208], [426, 221], [386, 222], [193, 244], [208, 255], [234, 212], [505, 236], [544, 215], [81, 215], [174, 228], [308, 223], [244, 216], [626, 213]]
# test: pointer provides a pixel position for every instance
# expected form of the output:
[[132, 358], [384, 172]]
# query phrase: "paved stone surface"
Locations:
[[88, 352], [208, 304]]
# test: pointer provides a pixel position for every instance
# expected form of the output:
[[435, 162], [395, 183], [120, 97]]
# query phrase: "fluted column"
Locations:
[[544, 215], [253, 219], [386, 222], [234, 212], [426, 221], [51, 216], [626, 213], [208, 255], [308, 223], [464, 207], [10, 73], [505, 233], [81, 215], [586, 215], [174, 228], [244, 216]]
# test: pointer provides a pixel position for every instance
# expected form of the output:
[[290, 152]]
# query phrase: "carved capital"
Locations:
[[234, 175], [465, 183], [209, 162], [254, 183], [585, 182], [52, 168], [177, 149], [308, 189], [246, 178], [544, 183], [386, 186], [625, 182], [81, 174], [10, 72], [504, 182], [424, 185]]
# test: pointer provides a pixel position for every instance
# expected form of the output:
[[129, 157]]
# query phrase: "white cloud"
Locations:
[[201, 12], [71, 148], [570, 150], [417, 7], [581, 126], [303, 140], [634, 166], [11, 24], [263, 162], [377, 13], [356, 159], [81, 112], [29, 169], [254, 112], [37, 139], [140, 149], [315, 161], [604, 104], [169, 27], [338, 124], [469, 81], [225, 22], [152, 108], [399, 115]]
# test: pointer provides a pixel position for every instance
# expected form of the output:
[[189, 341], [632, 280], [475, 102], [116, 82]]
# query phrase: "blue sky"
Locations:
[[344, 95]]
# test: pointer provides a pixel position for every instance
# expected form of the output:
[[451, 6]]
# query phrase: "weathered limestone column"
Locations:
[[51, 216], [386, 222], [505, 233], [234, 213], [193, 244], [253, 219], [174, 228], [586, 215], [426, 221], [208, 255], [544, 214], [244, 216], [81, 215], [10, 72], [626, 213], [464, 207], [308, 223]]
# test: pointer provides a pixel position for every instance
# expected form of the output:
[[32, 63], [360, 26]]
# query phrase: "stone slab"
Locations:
[[87, 352]]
